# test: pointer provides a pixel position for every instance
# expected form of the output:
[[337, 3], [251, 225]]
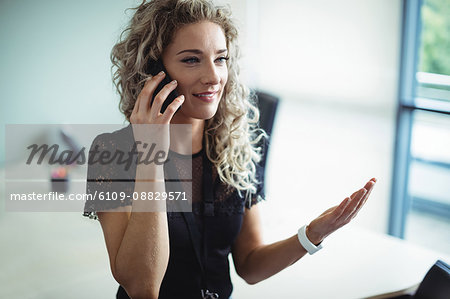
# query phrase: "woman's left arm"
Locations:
[[255, 261]]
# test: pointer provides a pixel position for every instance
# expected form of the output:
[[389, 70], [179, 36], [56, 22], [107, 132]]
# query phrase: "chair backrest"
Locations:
[[267, 105], [436, 283]]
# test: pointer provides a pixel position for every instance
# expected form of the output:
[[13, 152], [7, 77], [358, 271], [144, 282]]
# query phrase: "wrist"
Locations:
[[150, 172], [306, 243], [314, 237]]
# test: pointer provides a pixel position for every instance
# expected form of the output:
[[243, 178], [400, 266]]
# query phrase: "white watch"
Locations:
[[306, 243]]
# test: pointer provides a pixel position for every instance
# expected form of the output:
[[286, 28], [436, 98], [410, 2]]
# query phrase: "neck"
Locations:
[[181, 135]]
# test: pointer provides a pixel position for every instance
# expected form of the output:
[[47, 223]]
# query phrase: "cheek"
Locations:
[[224, 77], [184, 84]]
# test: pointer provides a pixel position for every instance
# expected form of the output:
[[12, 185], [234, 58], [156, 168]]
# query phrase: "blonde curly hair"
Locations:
[[232, 135]]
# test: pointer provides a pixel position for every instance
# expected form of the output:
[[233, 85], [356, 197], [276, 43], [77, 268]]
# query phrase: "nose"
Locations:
[[210, 74]]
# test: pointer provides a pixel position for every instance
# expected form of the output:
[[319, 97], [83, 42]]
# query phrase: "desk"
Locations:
[[355, 263]]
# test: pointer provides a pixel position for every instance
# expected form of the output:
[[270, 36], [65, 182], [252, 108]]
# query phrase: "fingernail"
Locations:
[[161, 73], [174, 82], [182, 97]]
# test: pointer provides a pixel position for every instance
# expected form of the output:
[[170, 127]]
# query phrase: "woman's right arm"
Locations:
[[138, 241], [138, 247]]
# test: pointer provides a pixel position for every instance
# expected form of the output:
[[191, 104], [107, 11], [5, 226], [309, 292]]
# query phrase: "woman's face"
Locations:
[[196, 58]]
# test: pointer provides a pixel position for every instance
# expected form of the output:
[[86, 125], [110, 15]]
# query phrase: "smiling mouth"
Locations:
[[206, 96]]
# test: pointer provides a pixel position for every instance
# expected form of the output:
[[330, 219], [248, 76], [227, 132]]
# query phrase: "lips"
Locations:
[[206, 96]]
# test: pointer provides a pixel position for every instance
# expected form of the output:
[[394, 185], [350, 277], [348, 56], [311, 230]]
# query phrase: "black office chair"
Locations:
[[435, 285], [267, 105]]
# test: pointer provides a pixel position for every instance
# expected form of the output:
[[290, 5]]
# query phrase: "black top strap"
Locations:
[[208, 191], [208, 211], [195, 236]]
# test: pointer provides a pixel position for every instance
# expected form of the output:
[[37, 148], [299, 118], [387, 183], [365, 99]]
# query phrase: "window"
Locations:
[[421, 186]]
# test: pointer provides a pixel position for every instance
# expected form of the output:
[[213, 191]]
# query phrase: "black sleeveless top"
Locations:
[[183, 275]]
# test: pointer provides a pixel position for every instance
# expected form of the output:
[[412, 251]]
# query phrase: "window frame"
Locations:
[[408, 103]]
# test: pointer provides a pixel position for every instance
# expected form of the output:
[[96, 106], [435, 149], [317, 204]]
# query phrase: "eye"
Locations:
[[222, 59], [190, 60]]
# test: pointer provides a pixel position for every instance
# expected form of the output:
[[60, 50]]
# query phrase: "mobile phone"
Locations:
[[153, 68]]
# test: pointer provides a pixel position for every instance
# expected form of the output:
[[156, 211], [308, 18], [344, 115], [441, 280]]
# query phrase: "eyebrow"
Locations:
[[197, 51]]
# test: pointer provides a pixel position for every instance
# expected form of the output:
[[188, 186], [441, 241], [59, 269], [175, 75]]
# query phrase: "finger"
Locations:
[[172, 108], [136, 104], [161, 97], [341, 208], [370, 183], [354, 194], [136, 107], [368, 186], [353, 204], [363, 201], [355, 211], [147, 92]]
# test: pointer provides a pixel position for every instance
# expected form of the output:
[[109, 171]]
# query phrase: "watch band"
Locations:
[[306, 243]]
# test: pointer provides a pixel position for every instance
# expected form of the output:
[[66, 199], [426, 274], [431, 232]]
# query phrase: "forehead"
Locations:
[[206, 35]]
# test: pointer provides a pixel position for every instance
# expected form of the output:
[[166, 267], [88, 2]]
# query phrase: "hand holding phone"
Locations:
[[154, 67], [148, 124]]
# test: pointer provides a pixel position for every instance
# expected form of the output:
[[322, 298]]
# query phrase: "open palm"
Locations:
[[338, 216]]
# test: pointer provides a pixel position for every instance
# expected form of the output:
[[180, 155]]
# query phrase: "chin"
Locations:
[[205, 114]]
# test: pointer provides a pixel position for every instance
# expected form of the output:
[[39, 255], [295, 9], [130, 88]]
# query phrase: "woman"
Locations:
[[156, 254]]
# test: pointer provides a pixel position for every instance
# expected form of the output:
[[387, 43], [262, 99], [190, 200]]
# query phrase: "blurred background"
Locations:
[[364, 89]]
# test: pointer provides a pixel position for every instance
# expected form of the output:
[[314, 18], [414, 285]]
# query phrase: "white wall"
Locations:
[[335, 66], [55, 65], [340, 51]]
